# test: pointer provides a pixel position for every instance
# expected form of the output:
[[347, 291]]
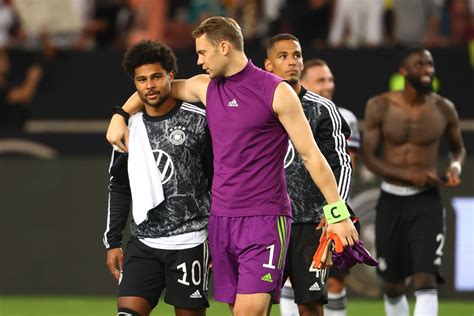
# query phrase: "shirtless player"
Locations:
[[408, 125]]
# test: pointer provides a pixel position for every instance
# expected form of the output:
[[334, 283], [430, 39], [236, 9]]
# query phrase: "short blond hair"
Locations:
[[218, 28], [315, 62]]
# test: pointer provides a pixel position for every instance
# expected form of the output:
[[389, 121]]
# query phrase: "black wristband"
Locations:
[[118, 110]]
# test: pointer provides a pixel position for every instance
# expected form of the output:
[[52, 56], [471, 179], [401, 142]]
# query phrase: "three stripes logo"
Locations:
[[233, 103], [196, 294], [315, 287], [267, 278]]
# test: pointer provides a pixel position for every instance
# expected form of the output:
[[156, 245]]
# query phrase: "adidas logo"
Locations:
[[196, 294], [315, 287], [233, 103], [267, 277]]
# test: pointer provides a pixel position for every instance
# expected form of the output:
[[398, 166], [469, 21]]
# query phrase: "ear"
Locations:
[[268, 65], [171, 75], [224, 47]]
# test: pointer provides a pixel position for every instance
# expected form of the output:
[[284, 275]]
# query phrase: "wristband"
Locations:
[[336, 212], [456, 165], [118, 110]]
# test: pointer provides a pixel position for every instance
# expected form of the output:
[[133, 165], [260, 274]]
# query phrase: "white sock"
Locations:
[[288, 306], [426, 303], [337, 305], [397, 306]]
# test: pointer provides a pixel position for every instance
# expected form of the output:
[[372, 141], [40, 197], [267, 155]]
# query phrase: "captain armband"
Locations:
[[336, 212]]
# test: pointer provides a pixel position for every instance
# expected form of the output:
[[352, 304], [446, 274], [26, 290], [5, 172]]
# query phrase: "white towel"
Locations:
[[145, 178]]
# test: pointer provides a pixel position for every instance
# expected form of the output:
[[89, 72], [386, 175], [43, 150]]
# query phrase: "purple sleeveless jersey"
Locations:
[[249, 145]]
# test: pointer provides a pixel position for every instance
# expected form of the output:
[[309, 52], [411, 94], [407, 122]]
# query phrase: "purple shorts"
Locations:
[[248, 255]]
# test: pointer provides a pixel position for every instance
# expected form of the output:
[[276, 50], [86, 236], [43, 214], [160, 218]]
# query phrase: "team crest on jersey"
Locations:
[[290, 155], [165, 165], [177, 136]]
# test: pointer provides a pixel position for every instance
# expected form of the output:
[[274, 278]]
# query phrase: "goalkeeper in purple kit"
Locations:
[[250, 115]]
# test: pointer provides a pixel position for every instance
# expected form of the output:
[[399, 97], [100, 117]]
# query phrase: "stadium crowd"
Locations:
[[321, 23]]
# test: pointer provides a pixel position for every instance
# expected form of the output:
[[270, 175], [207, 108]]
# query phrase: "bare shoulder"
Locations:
[[284, 87], [284, 99], [379, 104], [442, 102], [446, 107]]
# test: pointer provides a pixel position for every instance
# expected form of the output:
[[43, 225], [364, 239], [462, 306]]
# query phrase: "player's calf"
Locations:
[[393, 290], [424, 280], [133, 306]]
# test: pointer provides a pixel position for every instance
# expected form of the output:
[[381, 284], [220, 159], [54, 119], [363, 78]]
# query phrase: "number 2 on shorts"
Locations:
[[439, 250]]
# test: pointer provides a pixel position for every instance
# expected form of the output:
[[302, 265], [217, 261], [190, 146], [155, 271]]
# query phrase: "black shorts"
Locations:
[[184, 273], [309, 284], [409, 234]]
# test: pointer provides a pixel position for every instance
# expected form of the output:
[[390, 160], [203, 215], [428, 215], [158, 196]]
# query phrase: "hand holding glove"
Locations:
[[331, 252]]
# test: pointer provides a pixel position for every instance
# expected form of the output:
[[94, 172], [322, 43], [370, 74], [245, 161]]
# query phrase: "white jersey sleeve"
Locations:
[[354, 140]]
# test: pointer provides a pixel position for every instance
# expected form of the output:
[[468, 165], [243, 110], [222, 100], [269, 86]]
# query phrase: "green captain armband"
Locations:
[[336, 212]]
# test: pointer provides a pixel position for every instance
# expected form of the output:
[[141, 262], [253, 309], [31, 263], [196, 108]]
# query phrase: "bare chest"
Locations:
[[422, 125]]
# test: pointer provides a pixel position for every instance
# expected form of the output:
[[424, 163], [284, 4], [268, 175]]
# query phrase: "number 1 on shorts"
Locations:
[[270, 258]]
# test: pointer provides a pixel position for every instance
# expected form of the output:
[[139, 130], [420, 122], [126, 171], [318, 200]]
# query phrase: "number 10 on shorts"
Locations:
[[195, 276]]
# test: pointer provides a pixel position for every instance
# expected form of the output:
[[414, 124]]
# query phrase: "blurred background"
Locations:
[[60, 77]]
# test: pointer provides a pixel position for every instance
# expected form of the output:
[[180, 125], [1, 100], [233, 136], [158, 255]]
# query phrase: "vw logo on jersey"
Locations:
[[177, 136], [165, 165], [290, 155]]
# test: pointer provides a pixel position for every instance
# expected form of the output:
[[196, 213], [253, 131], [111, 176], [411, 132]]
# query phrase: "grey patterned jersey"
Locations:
[[182, 148], [330, 132]]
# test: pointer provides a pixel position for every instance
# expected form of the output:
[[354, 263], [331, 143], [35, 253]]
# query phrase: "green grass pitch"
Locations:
[[100, 306]]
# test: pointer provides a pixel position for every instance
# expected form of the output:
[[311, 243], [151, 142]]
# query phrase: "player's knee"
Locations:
[[335, 284], [312, 308], [122, 311], [423, 281], [252, 304], [394, 289]]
